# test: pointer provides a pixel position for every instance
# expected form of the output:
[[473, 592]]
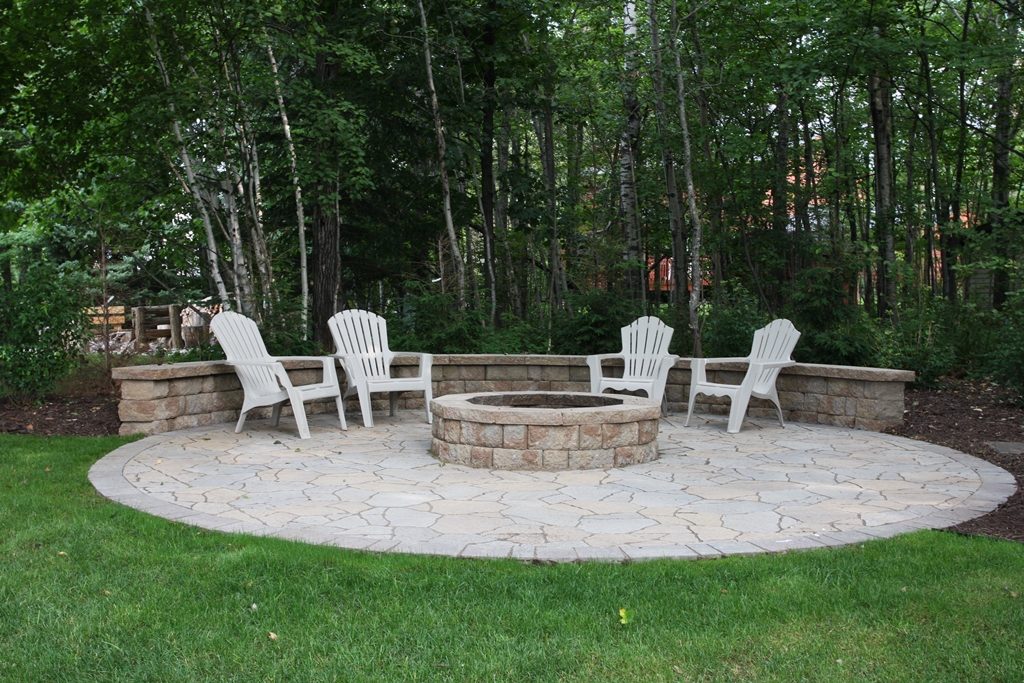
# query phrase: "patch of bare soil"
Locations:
[[965, 415], [968, 416]]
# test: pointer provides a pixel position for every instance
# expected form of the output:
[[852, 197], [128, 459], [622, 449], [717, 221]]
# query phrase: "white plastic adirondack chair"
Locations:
[[264, 380], [773, 345], [645, 357], [361, 338]]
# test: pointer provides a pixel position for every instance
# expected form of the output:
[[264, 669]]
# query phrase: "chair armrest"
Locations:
[[773, 363], [330, 374], [594, 363], [733, 359], [257, 363]]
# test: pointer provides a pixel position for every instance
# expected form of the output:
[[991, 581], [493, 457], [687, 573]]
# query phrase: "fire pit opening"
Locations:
[[544, 430], [549, 401]]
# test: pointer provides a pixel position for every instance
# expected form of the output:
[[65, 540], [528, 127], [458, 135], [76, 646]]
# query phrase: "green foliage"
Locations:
[[42, 326], [1003, 361], [728, 324], [430, 322], [920, 339], [594, 326], [833, 328]]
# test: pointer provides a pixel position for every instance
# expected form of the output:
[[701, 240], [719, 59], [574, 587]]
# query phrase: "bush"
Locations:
[[729, 320], [42, 327], [1004, 361], [594, 326], [921, 339], [833, 329]]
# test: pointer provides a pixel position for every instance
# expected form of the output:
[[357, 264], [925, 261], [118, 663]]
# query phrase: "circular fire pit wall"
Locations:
[[542, 430]]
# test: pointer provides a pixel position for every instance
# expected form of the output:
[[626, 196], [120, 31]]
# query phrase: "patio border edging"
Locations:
[[161, 398]]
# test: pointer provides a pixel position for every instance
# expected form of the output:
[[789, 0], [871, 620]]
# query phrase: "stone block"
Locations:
[[477, 434], [481, 457], [514, 459], [802, 383], [514, 436], [626, 455], [591, 436], [562, 437], [884, 391], [453, 431], [579, 374], [460, 454], [226, 382], [555, 459], [615, 435], [549, 373], [446, 387], [150, 411], [208, 403], [437, 429], [441, 450], [832, 405], [579, 387], [186, 386], [462, 372], [592, 459], [506, 372], [647, 431], [144, 389], [845, 387]]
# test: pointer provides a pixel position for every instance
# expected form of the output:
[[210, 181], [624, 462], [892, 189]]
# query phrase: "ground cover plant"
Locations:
[[91, 590]]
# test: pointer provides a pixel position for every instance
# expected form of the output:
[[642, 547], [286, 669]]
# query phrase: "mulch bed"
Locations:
[[965, 415]]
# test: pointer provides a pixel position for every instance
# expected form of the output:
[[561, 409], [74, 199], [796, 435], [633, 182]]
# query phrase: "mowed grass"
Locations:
[[93, 591]]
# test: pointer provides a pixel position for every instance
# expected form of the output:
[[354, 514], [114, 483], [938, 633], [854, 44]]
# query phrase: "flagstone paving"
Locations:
[[766, 489]]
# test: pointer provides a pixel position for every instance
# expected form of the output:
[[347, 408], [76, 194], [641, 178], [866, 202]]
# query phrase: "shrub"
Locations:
[[728, 321], [1004, 361], [920, 339], [833, 328], [42, 327], [594, 325]]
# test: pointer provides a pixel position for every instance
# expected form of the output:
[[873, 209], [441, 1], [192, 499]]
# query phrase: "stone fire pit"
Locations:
[[544, 430]]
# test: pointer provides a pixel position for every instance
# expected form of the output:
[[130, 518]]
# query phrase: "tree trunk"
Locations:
[[675, 209], [880, 94], [446, 193], [300, 217], [487, 183], [628, 146], [696, 276], [210, 252], [1001, 178]]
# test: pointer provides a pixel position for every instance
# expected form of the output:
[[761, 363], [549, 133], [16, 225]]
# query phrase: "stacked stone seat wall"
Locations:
[[160, 398]]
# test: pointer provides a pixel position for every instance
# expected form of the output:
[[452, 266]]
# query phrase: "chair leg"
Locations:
[[737, 411], [341, 412], [241, 421], [774, 398], [300, 417], [428, 394], [275, 414], [365, 406], [693, 399]]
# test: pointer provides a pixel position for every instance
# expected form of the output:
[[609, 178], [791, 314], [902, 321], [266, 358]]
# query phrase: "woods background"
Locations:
[[514, 176]]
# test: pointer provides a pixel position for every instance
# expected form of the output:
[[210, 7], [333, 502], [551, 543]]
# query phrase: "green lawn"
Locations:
[[91, 590]]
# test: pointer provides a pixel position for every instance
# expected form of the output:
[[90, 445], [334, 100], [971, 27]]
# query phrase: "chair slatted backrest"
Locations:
[[365, 335], [241, 340], [773, 342], [645, 342]]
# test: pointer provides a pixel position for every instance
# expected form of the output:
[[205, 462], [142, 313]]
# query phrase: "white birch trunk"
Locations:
[[446, 193], [190, 176], [300, 217]]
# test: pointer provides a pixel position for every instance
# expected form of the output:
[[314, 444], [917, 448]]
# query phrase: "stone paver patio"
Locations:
[[765, 489]]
